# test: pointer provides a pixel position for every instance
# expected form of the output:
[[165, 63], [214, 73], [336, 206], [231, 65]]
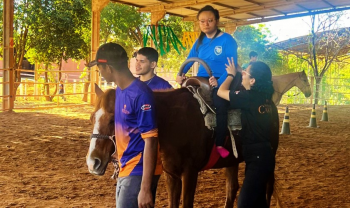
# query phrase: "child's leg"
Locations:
[[221, 106]]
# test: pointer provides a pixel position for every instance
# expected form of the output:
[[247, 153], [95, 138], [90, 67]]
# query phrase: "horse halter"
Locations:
[[101, 136]]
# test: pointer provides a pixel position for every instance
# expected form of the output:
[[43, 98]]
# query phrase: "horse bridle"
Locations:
[[101, 136]]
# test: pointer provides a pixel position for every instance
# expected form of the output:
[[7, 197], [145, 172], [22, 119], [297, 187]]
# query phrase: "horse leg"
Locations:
[[269, 188], [232, 185], [174, 189], [189, 183]]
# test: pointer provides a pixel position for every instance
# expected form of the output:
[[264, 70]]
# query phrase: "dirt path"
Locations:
[[42, 157]]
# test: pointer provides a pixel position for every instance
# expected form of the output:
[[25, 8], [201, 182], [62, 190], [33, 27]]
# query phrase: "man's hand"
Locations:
[[180, 79], [145, 199]]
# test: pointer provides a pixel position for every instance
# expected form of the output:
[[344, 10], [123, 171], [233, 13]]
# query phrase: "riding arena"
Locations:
[[47, 121]]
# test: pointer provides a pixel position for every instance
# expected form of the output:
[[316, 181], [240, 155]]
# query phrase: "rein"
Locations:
[[101, 136]]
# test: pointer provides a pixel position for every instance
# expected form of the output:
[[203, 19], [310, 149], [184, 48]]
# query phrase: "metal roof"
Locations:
[[241, 12], [337, 42]]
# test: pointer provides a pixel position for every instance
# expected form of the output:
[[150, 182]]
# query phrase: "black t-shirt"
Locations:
[[256, 127]]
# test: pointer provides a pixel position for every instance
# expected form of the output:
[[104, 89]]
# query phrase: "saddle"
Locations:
[[201, 90]]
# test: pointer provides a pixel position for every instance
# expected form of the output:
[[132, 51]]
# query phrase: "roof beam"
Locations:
[[326, 2], [225, 5], [255, 8], [298, 5], [177, 5], [253, 2], [246, 22], [254, 15], [278, 11]]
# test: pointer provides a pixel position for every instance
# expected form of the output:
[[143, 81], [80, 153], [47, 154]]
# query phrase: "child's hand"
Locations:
[[213, 82], [180, 79], [230, 68]]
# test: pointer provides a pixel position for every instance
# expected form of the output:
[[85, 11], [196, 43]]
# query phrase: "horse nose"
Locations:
[[94, 164]]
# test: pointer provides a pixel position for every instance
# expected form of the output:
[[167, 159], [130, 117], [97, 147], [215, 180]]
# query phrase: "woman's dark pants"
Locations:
[[260, 164]]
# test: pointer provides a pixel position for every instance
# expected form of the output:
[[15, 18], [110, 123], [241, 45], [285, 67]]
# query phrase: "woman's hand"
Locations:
[[180, 79], [213, 82], [230, 68]]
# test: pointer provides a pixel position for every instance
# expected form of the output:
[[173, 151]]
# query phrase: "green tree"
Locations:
[[250, 38], [122, 24], [324, 45], [59, 34]]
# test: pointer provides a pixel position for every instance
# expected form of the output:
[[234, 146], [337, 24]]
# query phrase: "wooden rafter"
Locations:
[[246, 22], [254, 15], [278, 11], [328, 3], [177, 5], [225, 5], [306, 9], [255, 8]]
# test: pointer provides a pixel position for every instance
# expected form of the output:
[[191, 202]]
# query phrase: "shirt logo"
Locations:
[[146, 107], [125, 111], [218, 50]]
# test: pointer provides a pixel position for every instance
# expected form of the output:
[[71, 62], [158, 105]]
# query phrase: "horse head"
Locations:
[[102, 144], [303, 84]]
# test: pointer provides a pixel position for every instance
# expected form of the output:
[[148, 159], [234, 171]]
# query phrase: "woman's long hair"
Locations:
[[217, 17], [261, 72]]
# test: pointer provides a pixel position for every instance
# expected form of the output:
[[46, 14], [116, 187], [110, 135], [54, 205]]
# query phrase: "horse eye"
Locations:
[[111, 121]]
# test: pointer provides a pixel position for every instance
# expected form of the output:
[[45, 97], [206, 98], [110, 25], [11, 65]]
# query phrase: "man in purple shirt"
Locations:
[[146, 62], [136, 130]]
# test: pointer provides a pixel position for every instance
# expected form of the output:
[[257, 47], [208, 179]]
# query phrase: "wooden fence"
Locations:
[[29, 94]]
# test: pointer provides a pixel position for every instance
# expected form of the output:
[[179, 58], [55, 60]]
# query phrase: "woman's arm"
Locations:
[[224, 90]]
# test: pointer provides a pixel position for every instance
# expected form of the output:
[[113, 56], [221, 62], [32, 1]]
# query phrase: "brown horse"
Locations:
[[185, 145], [283, 83]]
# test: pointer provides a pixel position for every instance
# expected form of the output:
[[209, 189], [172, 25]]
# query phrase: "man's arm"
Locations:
[[145, 197]]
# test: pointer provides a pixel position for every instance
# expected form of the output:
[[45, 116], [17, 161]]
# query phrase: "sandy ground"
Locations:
[[42, 157]]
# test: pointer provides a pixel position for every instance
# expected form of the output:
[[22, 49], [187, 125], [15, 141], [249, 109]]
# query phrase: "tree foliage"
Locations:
[[122, 24], [49, 31], [59, 31], [250, 38], [323, 46]]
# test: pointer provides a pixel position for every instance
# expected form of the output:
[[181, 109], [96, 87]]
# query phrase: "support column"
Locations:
[[230, 28], [8, 62], [195, 65], [97, 6], [155, 18]]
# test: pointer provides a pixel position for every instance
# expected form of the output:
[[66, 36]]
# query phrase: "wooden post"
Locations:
[[97, 6], [155, 17], [230, 28], [8, 42]]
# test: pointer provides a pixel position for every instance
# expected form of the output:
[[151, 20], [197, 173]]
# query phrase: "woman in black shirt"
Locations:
[[256, 114]]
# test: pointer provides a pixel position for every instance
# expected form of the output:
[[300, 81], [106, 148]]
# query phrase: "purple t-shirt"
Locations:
[[158, 83], [135, 121]]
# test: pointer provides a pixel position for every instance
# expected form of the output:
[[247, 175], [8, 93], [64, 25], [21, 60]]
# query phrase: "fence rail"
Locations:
[[30, 92]]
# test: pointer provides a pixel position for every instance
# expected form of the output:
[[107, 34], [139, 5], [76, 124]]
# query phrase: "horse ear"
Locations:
[[98, 91]]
